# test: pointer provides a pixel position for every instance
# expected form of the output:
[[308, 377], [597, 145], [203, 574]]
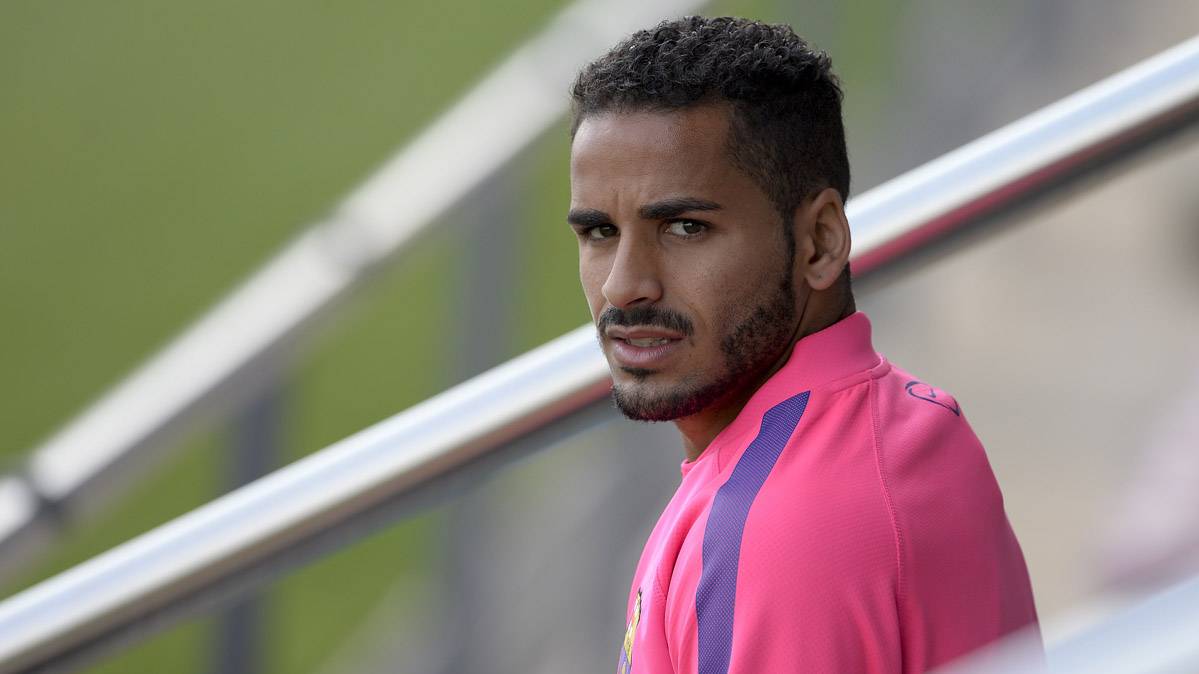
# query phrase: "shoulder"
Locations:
[[822, 509], [931, 462], [960, 563], [816, 564]]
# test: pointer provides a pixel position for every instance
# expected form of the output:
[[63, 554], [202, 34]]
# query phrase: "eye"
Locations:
[[686, 228], [600, 232]]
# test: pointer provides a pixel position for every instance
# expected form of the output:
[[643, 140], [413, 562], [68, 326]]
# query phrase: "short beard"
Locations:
[[749, 349]]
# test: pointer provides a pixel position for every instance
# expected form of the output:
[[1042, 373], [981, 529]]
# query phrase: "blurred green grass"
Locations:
[[154, 154]]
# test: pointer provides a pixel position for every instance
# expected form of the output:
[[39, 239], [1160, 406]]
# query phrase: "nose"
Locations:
[[633, 278]]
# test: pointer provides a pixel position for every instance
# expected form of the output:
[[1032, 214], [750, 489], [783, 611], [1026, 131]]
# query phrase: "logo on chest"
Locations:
[[630, 634]]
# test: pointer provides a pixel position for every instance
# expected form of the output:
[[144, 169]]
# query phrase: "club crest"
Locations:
[[626, 652]]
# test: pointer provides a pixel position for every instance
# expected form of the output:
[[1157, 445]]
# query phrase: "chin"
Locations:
[[638, 374], [641, 401]]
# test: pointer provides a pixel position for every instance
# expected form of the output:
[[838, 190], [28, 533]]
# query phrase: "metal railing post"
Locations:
[[255, 449]]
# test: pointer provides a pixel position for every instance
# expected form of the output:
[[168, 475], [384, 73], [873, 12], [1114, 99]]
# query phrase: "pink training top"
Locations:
[[846, 521]]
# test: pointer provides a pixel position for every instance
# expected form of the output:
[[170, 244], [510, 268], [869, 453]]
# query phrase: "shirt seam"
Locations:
[[876, 371], [900, 590]]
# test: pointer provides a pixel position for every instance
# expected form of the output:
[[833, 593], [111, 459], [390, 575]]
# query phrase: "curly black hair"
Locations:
[[785, 128]]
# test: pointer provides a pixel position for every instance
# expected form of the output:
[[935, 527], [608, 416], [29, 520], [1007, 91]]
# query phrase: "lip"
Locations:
[[642, 357], [640, 332]]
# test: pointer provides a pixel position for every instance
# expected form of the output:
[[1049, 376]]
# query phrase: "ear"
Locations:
[[821, 239]]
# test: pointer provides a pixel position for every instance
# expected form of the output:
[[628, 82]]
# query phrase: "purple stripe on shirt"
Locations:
[[717, 590]]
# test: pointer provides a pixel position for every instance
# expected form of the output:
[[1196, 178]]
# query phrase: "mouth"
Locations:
[[647, 341], [642, 348]]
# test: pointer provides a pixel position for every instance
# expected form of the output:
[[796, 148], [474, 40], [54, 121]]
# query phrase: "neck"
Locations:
[[698, 430]]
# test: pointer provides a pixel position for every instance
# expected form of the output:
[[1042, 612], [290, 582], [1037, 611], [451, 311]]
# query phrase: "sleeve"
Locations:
[[964, 582]]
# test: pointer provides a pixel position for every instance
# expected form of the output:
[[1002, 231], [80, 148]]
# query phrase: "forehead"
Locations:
[[652, 154]]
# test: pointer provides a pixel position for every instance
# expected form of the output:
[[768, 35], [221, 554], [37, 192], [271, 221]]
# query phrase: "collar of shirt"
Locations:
[[841, 350]]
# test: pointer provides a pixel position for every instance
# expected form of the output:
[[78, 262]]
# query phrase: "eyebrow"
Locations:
[[672, 208], [658, 210], [588, 217]]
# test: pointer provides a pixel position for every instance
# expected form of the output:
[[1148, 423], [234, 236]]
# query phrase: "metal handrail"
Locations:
[[242, 531], [220, 361]]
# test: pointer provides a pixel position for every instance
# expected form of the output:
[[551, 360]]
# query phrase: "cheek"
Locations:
[[592, 275], [707, 292], [733, 286]]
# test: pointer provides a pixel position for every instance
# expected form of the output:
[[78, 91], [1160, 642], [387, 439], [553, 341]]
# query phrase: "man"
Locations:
[[835, 514]]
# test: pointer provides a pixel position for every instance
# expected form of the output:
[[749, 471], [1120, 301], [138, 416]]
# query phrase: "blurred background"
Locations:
[[152, 155]]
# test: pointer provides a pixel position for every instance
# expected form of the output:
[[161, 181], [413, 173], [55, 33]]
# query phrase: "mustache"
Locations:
[[647, 315]]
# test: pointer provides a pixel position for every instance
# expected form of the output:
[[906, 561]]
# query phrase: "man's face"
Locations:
[[683, 261]]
